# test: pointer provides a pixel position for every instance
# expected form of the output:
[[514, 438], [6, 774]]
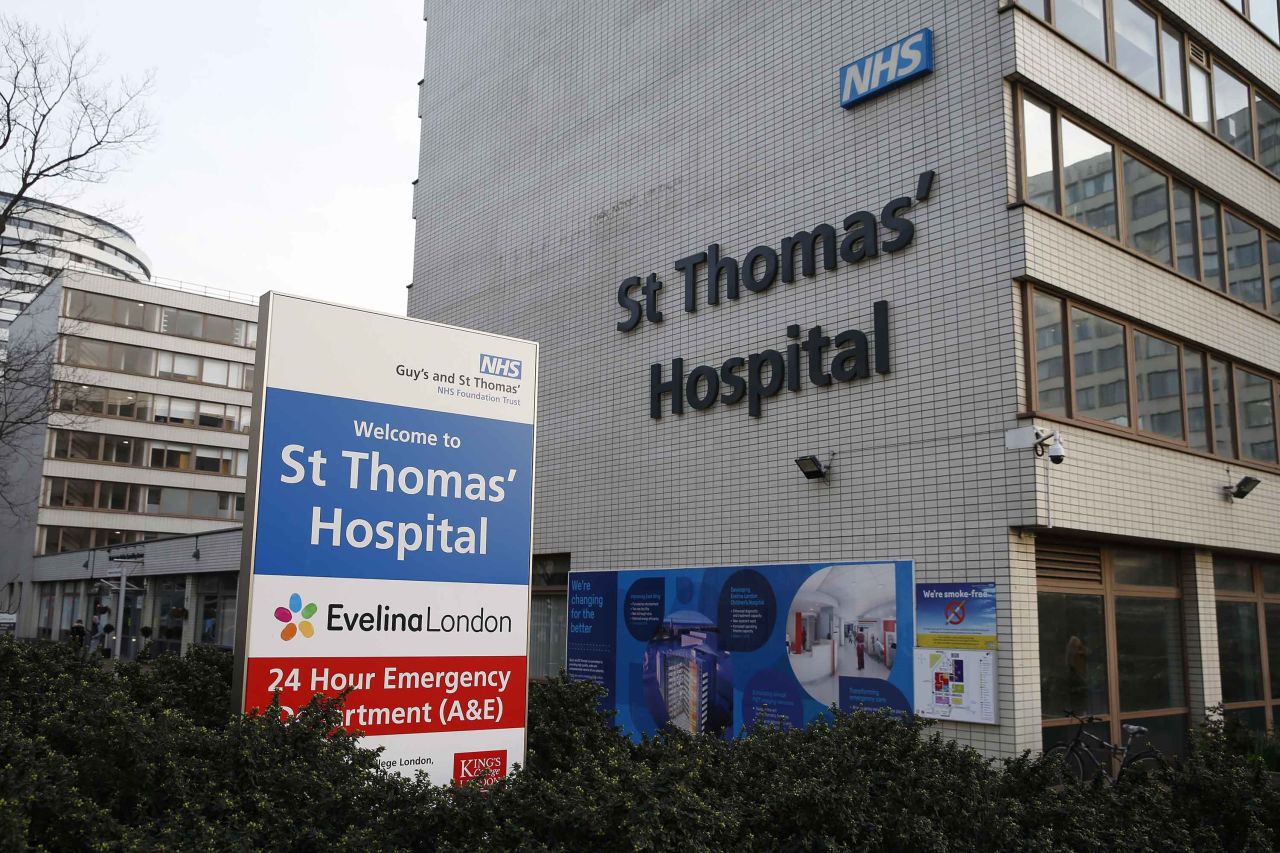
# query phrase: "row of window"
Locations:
[[144, 453], [1095, 367], [1248, 605], [57, 231], [43, 249], [54, 539], [70, 493], [157, 408], [1155, 55], [1086, 178], [116, 311], [1265, 15], [145, 361]]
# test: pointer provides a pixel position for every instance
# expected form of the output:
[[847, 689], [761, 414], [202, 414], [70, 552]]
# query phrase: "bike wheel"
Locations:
[[1147, 761], [1072, 764]]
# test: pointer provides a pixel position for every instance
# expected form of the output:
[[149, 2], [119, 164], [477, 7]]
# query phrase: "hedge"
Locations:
[[149, 757]]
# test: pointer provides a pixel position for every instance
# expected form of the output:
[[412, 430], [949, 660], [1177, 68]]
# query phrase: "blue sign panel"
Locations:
[[357, 489], [713, 650], [891, 66]]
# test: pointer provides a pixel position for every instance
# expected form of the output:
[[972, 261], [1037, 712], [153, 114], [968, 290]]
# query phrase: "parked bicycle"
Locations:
[[1080, 756]]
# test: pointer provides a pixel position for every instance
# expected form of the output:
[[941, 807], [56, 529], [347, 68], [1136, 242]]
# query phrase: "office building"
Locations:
[[1072, 224], [148, 440]]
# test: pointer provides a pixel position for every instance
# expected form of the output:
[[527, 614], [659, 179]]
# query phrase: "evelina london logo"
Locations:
[[303, 614]]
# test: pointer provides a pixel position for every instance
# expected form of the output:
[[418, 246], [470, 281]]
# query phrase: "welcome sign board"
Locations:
[[388, 533]]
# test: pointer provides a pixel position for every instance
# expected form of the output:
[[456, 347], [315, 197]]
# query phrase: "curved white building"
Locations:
[[42, 239]]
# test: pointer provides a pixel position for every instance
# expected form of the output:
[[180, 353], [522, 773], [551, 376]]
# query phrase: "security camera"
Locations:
[[1057, 453]]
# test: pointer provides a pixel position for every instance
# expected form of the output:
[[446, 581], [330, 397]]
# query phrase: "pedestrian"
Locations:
[[861, 644], [77, 634]]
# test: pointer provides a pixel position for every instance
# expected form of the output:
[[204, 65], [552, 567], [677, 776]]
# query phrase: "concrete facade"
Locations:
[[566, 147]]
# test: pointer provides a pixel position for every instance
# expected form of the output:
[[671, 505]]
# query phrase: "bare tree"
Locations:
[[63, 125]]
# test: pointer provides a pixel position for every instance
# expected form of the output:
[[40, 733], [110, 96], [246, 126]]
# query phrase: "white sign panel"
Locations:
[[388, 536]]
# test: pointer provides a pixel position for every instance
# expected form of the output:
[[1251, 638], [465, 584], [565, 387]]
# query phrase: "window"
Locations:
[[1273, 273], [1111, 640], [1159, 385], [1193, 373], [188, 324], [1146, 193], [1102, 392], [1248, 599], [217, 597], [548, 615], [1136, 45], [1050, 374], [1244, 261], [1199, 78], [1233, 118], [1179, 394], [1268, 134], [1088, 175], [1210, 241], [1042, 181], [1184, 230], [1082, 21], [214, 372], [1171, 54], [1256, 416]]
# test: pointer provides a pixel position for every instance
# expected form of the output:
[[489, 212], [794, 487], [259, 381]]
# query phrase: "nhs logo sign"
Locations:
[[496, 365], [890, 66]]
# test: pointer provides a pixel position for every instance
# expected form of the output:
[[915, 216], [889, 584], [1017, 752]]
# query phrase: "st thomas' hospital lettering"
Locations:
[[767, 372]]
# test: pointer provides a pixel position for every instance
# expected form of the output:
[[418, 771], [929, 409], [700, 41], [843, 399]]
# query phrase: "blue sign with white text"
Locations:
[[715, 650], [891, 66], [356, 489]]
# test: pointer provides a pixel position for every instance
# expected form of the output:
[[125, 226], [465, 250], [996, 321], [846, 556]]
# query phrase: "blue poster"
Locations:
[[956, 616], [713, 650]]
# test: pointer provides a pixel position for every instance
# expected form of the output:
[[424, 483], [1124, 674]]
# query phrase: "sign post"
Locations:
[[388, 533]]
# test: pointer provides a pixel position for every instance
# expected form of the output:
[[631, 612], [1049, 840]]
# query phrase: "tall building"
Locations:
[[148, 440], [1072, 223]]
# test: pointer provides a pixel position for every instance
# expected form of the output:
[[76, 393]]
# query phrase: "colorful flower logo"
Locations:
[[286, 614]]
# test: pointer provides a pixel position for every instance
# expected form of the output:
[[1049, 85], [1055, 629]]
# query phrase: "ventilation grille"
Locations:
[[1198, 54], [1075, 563]]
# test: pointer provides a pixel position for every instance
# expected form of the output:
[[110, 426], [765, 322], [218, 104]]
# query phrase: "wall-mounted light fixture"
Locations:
[[812, 467], [1240, 490]]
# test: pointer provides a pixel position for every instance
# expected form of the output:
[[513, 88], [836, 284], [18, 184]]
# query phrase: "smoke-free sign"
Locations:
[[388, 533]]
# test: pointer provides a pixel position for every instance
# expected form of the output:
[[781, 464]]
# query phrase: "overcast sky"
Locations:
[[286, 144]]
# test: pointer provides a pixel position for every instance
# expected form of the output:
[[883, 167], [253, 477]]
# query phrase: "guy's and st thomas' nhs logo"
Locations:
[[876, 73], [496, 365]]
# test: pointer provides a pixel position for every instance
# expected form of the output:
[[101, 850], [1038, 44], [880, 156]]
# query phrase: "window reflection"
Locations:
[[1256, 416], [1073, 659], [1050, 381], [1136, 48], [1239, 656], [1244, 260], [1149, 641], [1233, 118], [1146, 194], [1159, 386], [1101, 383], [1193, 372], [1082, 21], [1269, 135], [1037, 132], [1088, 173]]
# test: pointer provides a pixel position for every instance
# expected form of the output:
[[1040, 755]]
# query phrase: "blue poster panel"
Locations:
[[714, 650]]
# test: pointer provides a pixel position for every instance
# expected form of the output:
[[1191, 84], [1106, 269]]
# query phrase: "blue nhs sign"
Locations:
[[891, 66]]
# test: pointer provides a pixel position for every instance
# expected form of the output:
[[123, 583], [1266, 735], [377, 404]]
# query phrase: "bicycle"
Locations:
[[1080, 764]]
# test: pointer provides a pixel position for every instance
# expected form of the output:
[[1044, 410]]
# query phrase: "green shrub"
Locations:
[[149, 757]]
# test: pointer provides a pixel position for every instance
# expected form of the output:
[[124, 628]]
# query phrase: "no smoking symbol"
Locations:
[[954, 612]]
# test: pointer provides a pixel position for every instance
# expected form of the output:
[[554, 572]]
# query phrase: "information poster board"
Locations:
[[388, 533], [712, 650], [8, 624], [955, 652]]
